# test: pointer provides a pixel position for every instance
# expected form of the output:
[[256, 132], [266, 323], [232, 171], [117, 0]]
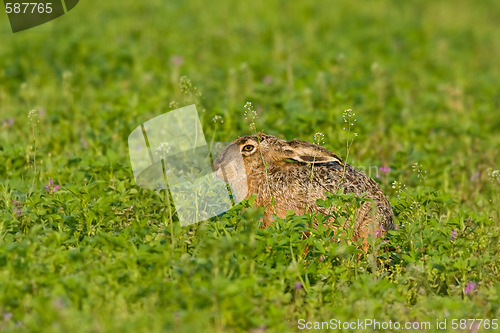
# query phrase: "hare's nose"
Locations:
[[215, 166]]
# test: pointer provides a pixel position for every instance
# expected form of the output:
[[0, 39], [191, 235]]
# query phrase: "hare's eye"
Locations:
[[248, 148]]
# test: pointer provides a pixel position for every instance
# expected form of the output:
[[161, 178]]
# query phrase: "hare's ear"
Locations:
[[312, 155]]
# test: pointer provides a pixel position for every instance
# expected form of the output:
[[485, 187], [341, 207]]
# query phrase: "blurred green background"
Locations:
[[100, 254]]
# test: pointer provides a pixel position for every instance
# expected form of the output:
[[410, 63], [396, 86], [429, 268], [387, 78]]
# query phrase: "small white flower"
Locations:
[[162, 150], [33, 117], [249, 108], [494, 175]]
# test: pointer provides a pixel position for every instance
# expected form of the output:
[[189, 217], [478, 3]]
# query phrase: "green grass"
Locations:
[[100, 254]]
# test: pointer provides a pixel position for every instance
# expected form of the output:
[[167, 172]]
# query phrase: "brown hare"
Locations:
[[293, 174]]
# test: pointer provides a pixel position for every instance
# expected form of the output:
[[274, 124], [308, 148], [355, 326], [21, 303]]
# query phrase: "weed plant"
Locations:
[[83, 249]]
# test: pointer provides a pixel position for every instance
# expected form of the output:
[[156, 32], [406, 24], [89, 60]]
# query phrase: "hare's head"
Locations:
[[250, 157]]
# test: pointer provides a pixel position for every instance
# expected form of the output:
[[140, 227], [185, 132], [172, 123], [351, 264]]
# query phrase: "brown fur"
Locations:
[[292, 175]]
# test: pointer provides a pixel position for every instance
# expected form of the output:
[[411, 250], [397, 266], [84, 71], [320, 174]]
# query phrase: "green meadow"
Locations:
[[84, 249]]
